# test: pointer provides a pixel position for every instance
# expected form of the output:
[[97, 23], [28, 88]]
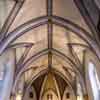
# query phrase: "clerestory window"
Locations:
[[94, 80]]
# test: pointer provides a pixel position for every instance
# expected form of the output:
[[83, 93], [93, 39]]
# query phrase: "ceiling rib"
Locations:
[[74, 55], [54, 71], [41, 21], [50, 30], [24, 55], [87, 18], [19, 45], [28, 62], [80, 45], [30, 82], [31, 59], [34, 57], [49, 23], [16, 8], [74, 65]]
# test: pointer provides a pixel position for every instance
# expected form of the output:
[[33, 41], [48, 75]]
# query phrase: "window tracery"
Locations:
[[95, 83]]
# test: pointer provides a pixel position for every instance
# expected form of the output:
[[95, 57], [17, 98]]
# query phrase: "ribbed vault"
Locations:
[[46, 36]]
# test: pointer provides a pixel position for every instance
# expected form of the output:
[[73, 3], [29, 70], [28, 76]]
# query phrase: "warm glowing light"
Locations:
[[79, 98], [18, 97]]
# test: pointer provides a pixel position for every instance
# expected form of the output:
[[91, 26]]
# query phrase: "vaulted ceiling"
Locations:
[[46, 35]]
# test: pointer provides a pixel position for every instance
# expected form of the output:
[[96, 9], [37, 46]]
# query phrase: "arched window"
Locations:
[[95, 83]]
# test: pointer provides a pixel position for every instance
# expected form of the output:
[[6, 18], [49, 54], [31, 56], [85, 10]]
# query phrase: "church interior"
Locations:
[[49, 49]]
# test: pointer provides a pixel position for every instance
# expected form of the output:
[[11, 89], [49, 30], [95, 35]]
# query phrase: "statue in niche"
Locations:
[[49, 97], [67, 95]]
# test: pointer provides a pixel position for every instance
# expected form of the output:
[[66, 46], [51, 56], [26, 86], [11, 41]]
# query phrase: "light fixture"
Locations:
[[79, 97], [18, 97]]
